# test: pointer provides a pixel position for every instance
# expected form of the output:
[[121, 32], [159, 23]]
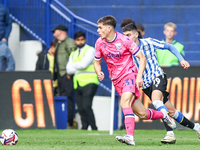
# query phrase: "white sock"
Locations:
[[157, 103], [170, 132], [196, 127]]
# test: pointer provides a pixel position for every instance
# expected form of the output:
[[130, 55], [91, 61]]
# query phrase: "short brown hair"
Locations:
[[108, 20], [140, 26], [170, 24], [54, 42], [126, 21], [130, 27]]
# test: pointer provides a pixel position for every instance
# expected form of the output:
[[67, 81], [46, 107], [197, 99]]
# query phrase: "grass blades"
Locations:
[[43, 139]]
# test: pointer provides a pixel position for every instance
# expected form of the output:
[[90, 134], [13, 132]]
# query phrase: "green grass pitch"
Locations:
[[43, 139]]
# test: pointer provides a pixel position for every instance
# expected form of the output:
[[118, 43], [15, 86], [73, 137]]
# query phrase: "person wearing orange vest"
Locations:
[[85, 79], [165, 57]]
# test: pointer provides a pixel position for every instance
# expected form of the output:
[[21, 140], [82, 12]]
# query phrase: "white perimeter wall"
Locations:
[[101, 107], [24, 52]]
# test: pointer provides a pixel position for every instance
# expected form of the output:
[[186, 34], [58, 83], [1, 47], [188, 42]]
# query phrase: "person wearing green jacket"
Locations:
[[64, 48], [81, 64], [169, 32]]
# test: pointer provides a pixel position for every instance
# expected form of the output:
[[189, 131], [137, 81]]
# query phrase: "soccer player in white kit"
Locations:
[[155, 80], [117, 51]]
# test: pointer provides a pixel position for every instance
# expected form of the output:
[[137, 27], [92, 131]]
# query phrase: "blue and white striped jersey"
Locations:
[[148, 46]]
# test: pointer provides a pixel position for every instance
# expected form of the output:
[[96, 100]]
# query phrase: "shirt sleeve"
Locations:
[[158, 44], [69, 67], [97, 54], [163, 45], [86, 61], [132, 46], [173, 50], [71, 46]]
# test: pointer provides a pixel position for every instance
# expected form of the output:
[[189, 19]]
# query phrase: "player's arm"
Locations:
[[97, 61], [162, 45], [97, 67], [173, 49], [142, 65], [134, 49]]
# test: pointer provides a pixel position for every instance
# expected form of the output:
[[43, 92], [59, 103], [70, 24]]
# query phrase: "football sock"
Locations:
[[159, 105], [170, 132], [178, 116], [129, 121], [153, 114], [196, 127]]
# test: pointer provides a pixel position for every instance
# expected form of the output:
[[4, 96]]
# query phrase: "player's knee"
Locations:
[[124, 104], [143, 115]]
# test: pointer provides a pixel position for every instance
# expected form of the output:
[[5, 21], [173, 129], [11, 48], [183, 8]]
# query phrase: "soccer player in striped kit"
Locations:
[[117, 51], [155, 80]]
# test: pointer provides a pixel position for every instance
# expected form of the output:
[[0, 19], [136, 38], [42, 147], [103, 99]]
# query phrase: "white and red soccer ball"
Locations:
[[8, 137]]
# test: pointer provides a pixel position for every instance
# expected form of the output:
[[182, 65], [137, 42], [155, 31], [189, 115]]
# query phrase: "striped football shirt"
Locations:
[[148, 46]]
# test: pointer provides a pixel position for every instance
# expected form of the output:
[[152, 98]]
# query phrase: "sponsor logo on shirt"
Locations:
[[111, 55]]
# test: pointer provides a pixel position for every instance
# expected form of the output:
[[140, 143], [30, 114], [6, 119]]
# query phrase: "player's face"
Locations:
[[169, 32], [80, 41], [103, 30], [132, 35]]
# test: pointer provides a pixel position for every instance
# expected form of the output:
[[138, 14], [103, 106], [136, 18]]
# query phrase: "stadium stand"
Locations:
[[36, 22]]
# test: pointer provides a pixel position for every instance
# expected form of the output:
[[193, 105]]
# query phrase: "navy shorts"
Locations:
[[159, 83]]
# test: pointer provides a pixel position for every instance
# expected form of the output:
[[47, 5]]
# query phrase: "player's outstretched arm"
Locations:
[[97, 67], [142, 65], [184, 64], [173, 50]]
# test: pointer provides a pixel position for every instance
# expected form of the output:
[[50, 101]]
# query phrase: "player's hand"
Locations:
[[139, 82], [100, 76], [184, 64]]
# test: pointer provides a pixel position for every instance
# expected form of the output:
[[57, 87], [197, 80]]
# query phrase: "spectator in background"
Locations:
[[46, 62], [65, 83], [85, 79], [5, 24], [7, 62], [141, 29], [126, 21], [169, 32]]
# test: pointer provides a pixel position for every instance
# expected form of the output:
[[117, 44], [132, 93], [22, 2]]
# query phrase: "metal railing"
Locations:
[[39, 17]]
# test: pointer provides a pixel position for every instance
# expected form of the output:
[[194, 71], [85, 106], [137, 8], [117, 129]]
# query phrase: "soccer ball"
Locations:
[[8, 137]]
